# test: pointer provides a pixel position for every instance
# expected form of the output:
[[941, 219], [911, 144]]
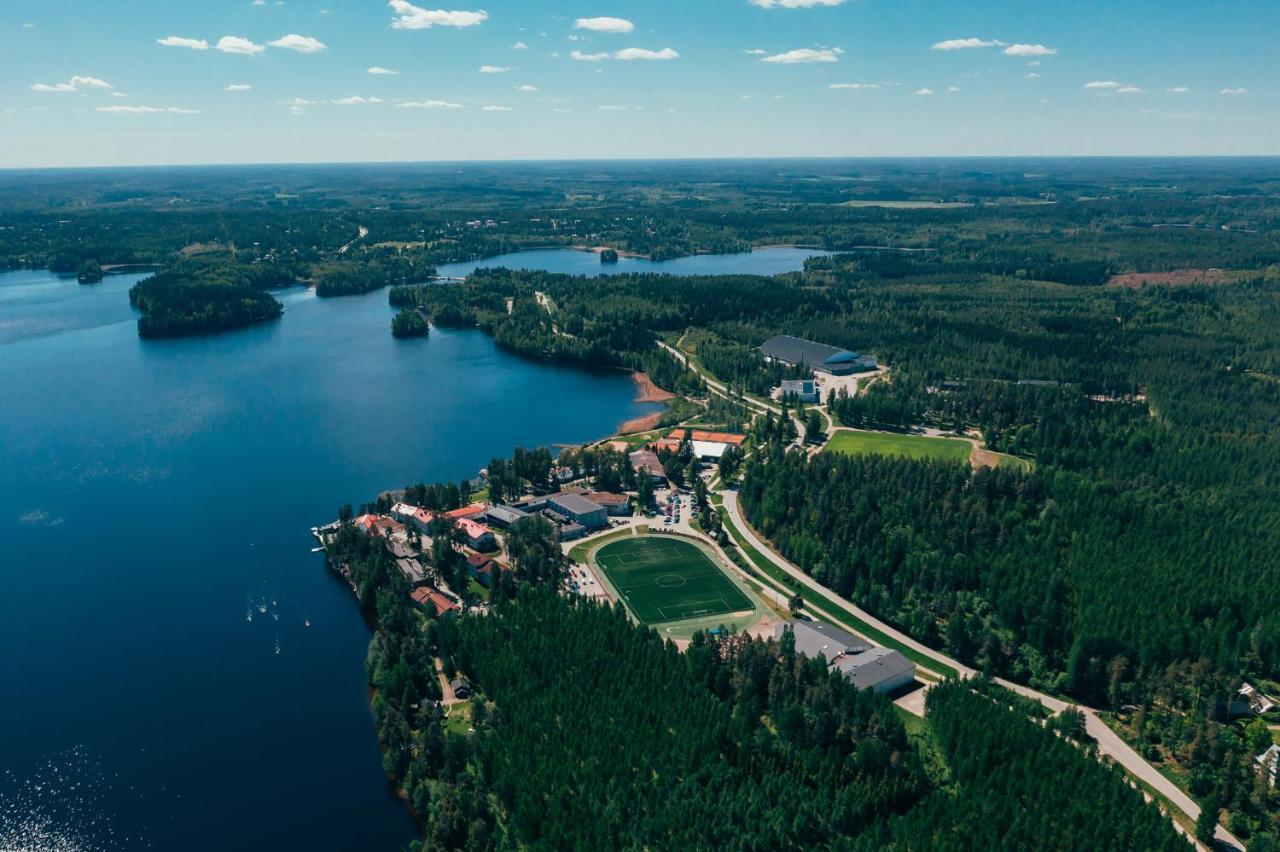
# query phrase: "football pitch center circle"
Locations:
[[669, 581]]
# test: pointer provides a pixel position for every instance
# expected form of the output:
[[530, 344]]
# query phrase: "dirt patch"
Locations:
[[983, 458], [647, 391], [1177, 278], [640, 424]]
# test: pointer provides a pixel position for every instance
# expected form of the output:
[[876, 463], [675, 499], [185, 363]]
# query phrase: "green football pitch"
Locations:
[[665, 579]]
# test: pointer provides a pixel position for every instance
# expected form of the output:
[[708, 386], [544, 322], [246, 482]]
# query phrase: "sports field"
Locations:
[[893, 444], [665, 579]]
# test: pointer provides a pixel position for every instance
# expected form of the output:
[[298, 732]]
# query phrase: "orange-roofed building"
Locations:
[[434, 598], [679, 435], [466, 511]]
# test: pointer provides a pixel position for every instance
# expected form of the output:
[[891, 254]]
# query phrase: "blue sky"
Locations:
[[119, 82]]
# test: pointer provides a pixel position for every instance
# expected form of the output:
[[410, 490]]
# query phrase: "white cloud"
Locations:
[[630, 53], [27, 25], [561, 109], [379, 71], [588, 57], [604, 25], [179, 41], [356, 100], [1034, 63], [793, 4], [804, 55], [1029, 50], [495, 108], [924, 91], [1179, 90], [953, 88], [755, 51], [238, 87], [298, 43], [1240, 91], [119, 95], [75, 84], [1131, 90], [429, 105], [238, 45], [519, 46], [411, 17], [1031, 75], [139, 110], [493, 69], [854, 86], [1103, 84], [526, 88], [964, 44], [611, 108]]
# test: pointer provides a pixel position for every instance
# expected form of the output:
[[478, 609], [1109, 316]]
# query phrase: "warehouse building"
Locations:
[[879, 669], [579, 509], [796, 351]]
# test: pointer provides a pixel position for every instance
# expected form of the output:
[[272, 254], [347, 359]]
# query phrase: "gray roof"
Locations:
[[814, 638], [505, 514], [798, 385], [796, 350], [871, 668], [574, 503]]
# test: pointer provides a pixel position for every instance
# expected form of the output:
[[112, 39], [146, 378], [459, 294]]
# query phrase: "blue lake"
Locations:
[[179, 670], [156, 496], [764, 261]]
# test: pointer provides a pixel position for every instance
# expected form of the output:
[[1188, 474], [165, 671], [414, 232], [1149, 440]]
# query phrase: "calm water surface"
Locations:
[[768, 261], [179, 671], [155, 499]]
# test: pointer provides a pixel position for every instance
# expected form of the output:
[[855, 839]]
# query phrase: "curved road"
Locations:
[[1109, 742]]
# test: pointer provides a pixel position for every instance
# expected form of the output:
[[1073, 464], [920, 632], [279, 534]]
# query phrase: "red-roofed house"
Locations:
[[421, 519], [435, 599], [476, 534], [483, 569], [378, 525]]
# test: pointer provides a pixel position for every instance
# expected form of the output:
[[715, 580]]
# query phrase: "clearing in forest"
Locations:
[[855, 442]]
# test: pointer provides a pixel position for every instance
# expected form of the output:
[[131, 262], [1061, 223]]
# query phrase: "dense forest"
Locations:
[[588, 731], [177, 303]]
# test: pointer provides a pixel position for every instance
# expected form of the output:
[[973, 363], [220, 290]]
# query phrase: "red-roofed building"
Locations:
[[378, 525], [421, 519], [484, 569], [679, 435], [435, 599], [466, 512], [476, 534]]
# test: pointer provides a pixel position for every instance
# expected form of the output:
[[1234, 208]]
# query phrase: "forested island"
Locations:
[[174, 305], [410, 322]]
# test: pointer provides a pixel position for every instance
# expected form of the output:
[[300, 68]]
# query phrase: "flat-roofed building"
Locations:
[[878, 669], [796, 351], [817, 638], [504, 516], [579, 509], [804, 390]]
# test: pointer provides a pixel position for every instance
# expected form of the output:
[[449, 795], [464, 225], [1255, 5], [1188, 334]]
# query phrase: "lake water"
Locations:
[[156, 496], [766, 261], [179, 671]]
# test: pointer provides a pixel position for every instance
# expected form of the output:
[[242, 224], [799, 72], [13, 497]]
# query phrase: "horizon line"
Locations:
[[637, 160]]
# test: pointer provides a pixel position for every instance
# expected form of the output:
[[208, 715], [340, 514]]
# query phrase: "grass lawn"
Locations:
[[665, 579], [578, 553], [893, 444]]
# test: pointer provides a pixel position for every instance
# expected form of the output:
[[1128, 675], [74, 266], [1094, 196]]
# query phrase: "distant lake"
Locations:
[[161, 685], [764, 261]]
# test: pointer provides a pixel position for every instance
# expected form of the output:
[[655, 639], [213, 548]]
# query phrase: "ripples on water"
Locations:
[[61, 807]]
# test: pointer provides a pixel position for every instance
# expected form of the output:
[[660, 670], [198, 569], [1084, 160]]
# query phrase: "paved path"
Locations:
[[1109, 742]]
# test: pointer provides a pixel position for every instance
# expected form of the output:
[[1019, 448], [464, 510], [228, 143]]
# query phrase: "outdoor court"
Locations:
[[665, 579]]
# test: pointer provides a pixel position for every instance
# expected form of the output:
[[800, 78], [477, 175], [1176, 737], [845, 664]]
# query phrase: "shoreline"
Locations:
[[643, 423], [647, 391]]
